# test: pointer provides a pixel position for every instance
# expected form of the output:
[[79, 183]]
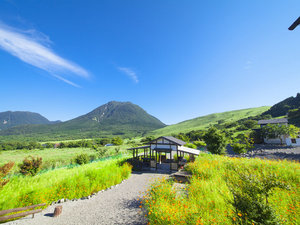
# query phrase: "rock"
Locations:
[[61, 201]]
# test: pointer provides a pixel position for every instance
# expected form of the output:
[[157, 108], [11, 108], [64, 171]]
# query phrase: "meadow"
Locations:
[[63, 183], [208, 197], [204, 122], [58, 157]]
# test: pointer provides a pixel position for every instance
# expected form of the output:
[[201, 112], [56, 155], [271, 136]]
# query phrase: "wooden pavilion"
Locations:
[[162, 150]]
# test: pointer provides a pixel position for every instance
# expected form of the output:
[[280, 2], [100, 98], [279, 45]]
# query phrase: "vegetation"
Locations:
[[4, 170], [204, 122], [209, 198], [62, 184], [277, 131], [242, 144], [283, 107], [31, 166], [10, 119], [112, 119], [82, 159], [216, 141]]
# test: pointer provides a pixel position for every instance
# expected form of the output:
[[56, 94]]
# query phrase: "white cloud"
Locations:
[[33, 48], [130, 73], [248, 65]]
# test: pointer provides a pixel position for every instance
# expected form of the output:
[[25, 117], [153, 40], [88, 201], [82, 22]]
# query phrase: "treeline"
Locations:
[[94, 143]]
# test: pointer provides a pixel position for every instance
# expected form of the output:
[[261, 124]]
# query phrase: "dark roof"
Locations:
[[171, 139], [273, 121]]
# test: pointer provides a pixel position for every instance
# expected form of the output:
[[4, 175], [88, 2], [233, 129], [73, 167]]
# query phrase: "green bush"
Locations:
[[191, 145], [82, 159], [31, 166], [199, 144], [117, 150], [242, 144], [117, 141], [251, 193], [101, 152]]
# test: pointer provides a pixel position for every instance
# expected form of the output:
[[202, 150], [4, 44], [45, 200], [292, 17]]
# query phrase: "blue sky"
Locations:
[[176, 59]]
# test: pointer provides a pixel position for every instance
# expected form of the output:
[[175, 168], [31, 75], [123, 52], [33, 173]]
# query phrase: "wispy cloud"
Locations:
[[248, 65], [130, 73], [33, 48]]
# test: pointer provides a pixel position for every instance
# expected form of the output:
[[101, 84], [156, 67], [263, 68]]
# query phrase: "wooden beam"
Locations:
[[3, 212], [4, 218]]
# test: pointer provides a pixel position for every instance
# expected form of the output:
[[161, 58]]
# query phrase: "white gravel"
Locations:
[[118, 205]]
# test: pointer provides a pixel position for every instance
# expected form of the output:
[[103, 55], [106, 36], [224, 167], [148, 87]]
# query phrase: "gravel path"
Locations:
[[271, 152], [118, 205]]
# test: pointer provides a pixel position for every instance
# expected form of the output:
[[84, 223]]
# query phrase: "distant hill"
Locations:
[[11, 119], [282, 108], [113, 118], [205, 121]]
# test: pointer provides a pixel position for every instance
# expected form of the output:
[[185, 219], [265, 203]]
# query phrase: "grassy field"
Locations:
[[206, 199], [204, 122], [54, 158], [63, 183]]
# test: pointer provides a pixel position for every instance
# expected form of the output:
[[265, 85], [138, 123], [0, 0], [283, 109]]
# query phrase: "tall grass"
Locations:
[[206, 199], [62, 183]]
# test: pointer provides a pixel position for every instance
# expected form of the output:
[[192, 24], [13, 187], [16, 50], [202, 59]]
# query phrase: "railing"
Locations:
[[13, 216]]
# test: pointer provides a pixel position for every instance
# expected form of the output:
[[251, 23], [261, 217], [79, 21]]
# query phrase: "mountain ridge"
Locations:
[[10, 119]]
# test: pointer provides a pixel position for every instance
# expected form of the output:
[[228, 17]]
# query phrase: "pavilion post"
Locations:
[[155, 160]]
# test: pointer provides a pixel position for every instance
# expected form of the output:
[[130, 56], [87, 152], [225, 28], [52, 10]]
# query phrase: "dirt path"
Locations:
[[118, 205]]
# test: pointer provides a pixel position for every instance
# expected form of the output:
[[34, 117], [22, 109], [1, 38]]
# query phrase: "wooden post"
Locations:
[[155, 160], [171, 159], [57, 211]]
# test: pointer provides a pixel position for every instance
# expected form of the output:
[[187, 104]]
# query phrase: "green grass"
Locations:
[[62, 183], [53, 158], [204, 122], [206, 201]]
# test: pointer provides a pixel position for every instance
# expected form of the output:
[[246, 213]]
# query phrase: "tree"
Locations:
[[242, 144], [216, 141], [275, 131], [117, 141]]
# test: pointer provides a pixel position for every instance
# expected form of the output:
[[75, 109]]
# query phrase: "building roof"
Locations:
[[273, 121], [171, 139]]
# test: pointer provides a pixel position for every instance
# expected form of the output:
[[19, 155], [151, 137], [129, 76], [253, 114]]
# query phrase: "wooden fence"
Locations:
[[21, 214]]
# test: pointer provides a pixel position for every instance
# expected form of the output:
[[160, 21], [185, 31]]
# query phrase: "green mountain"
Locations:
[[113, 118], [205, 121], [11, 119], [282, 108]]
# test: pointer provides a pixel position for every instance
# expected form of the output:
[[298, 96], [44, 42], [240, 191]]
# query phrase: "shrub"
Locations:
[[82, 159], [117, 150], [117, 141], [4, 170], [215, 140], [242, 144], [101, 152], [31, 166], [251, 194], [199, 144], [191, 145]]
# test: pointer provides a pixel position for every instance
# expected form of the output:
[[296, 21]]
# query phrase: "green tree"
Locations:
[[275, 131], [242, 144], [216, 141]]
